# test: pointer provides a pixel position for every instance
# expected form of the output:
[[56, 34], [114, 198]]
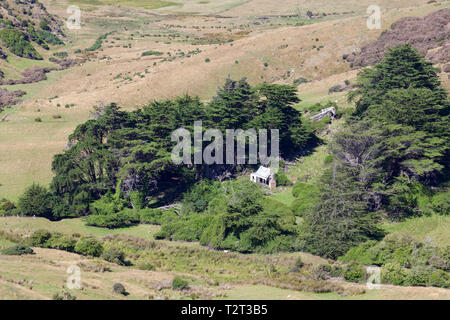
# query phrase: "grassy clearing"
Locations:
[[435, 228], [284, 196], [308, 169], [22, 63], [24, 225]]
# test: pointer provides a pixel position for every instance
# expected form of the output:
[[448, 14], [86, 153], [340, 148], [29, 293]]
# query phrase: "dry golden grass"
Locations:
[[43, 274]]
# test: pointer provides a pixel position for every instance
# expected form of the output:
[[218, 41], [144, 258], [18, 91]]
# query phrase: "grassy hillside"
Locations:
[[120, 74], [42, 275], [198, 45]]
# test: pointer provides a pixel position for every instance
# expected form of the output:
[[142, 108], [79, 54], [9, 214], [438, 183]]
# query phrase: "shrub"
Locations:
[[119, 289], [6, 207], [440, 202], [439, 278], [393, 273], [150, 216], [114, 255], [418, 276], [160, 235], [322, 272], [187, 228], [299, 263], [108, 204], [198, 198], [17, 250], [336, 271], [364, 253], [39, 238], [49, 38], [38, 119], [307, 197], [61, 242], [43, 24], [18, 43], [89, 246], [282, 179], [179, 284], [62, 54], [300, 81], [152, 53], [207, 60], [36, 200], [335, 88], [64, 295], [354, 272]]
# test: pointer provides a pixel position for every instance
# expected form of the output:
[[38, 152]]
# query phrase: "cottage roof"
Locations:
[[263, 172]]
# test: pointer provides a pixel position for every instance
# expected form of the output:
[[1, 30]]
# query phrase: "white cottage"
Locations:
[[264, 176]]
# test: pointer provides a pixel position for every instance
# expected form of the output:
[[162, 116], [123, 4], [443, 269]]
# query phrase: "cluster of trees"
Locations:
[[391, 158], [404, 261], [125, 157], [233, 215], [19, 43]]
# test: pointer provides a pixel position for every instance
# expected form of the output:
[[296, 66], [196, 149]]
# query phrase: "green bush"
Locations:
[[418, 276], [393, 273], [282, 179], [179, 284], [109, 204], [307, 196], [119, 289], [323, 272], [43, 24], [114, 255], [440, 202], [18, 43], [152, 53], [89, 246], [17, 250], [186, 228], [156, 216], [62, 54], [64, 295], [7, 207], [299, 263], [49, 37], [198, 198], [61, 242], [39, 238], [160, 235], [37, 201], [366, 253], [335, 88], [300, 81], [439, 278], [354, 272]]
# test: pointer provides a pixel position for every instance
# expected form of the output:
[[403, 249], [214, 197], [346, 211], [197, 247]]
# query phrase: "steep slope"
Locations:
[[430, 35]]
